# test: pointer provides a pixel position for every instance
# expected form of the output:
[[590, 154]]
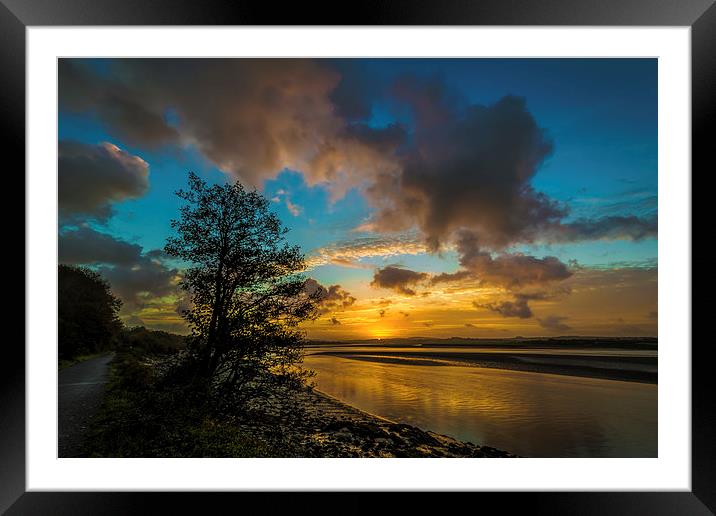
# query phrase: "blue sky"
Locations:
[[600, 114]]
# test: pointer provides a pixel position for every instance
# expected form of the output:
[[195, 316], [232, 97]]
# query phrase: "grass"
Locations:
[[141, 418], [64, 363]]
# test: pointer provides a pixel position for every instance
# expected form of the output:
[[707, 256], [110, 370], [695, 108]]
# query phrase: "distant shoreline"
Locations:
[[644, 343], [634, 369]]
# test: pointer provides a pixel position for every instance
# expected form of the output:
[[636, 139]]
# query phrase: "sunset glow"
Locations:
[[440, 198]]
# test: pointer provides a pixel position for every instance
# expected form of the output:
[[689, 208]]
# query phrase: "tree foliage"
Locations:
[[244, 283], [156, 342], [87, 312]]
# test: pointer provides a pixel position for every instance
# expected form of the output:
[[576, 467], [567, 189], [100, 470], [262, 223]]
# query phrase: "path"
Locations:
[[80, 392]]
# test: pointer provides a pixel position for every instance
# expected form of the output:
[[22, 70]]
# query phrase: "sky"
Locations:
[[431, 197]]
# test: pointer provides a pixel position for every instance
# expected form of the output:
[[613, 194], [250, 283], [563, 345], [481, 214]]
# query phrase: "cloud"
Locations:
[[471, 166], [353, 96], [458, 166], [604, 228], [508, 270], [348, 254], [85, 246], [397, 279], [554, 323], [294, 209], [639, 201], [133, 275], [252, 118], [525, 277], [332, 298], [468, 166], [93, 177], [515, 308], [145, 280], [121, 106], [519, 306]]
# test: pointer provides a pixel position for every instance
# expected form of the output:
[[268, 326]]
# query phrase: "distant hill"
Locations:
[[538, 342]]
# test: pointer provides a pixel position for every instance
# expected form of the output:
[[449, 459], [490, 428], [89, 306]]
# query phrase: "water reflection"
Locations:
[[530, 414]]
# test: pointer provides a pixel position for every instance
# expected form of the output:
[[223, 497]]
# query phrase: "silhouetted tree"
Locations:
[[87, 312], [247, 295]]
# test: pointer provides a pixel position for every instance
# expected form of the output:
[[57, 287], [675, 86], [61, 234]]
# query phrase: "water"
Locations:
[[527, 413]]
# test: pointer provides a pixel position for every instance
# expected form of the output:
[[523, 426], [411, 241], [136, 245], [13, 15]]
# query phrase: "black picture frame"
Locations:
[[16, 15]]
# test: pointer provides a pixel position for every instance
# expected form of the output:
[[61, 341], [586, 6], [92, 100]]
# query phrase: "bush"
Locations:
[[146, 415]]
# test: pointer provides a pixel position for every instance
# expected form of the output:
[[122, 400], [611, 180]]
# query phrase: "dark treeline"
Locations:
[[88, 319], [155, 342]]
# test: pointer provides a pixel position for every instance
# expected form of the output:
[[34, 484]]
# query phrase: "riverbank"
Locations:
[[641, 369], [310, 423], [143, 416], [531, 414]]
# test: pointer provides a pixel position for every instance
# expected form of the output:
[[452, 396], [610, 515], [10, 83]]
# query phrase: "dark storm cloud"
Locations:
[[121, 105], [332, 298], [471, 167], [554, 323], [144, 280], [93, 177], [508, 270], [468, 166], [133, 275], [517, 307], [355, 92], [85, 246], [398, 279]]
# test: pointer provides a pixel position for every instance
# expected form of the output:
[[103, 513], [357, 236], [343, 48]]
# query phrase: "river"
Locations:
[[528, 413]]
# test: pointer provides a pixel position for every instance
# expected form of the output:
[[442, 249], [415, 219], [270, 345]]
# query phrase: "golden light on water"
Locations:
[[534, 415]]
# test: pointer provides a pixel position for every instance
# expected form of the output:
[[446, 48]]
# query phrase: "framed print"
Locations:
[[441, 249]]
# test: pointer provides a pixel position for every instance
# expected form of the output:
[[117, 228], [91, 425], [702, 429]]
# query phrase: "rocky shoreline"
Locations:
[[309, 423]]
